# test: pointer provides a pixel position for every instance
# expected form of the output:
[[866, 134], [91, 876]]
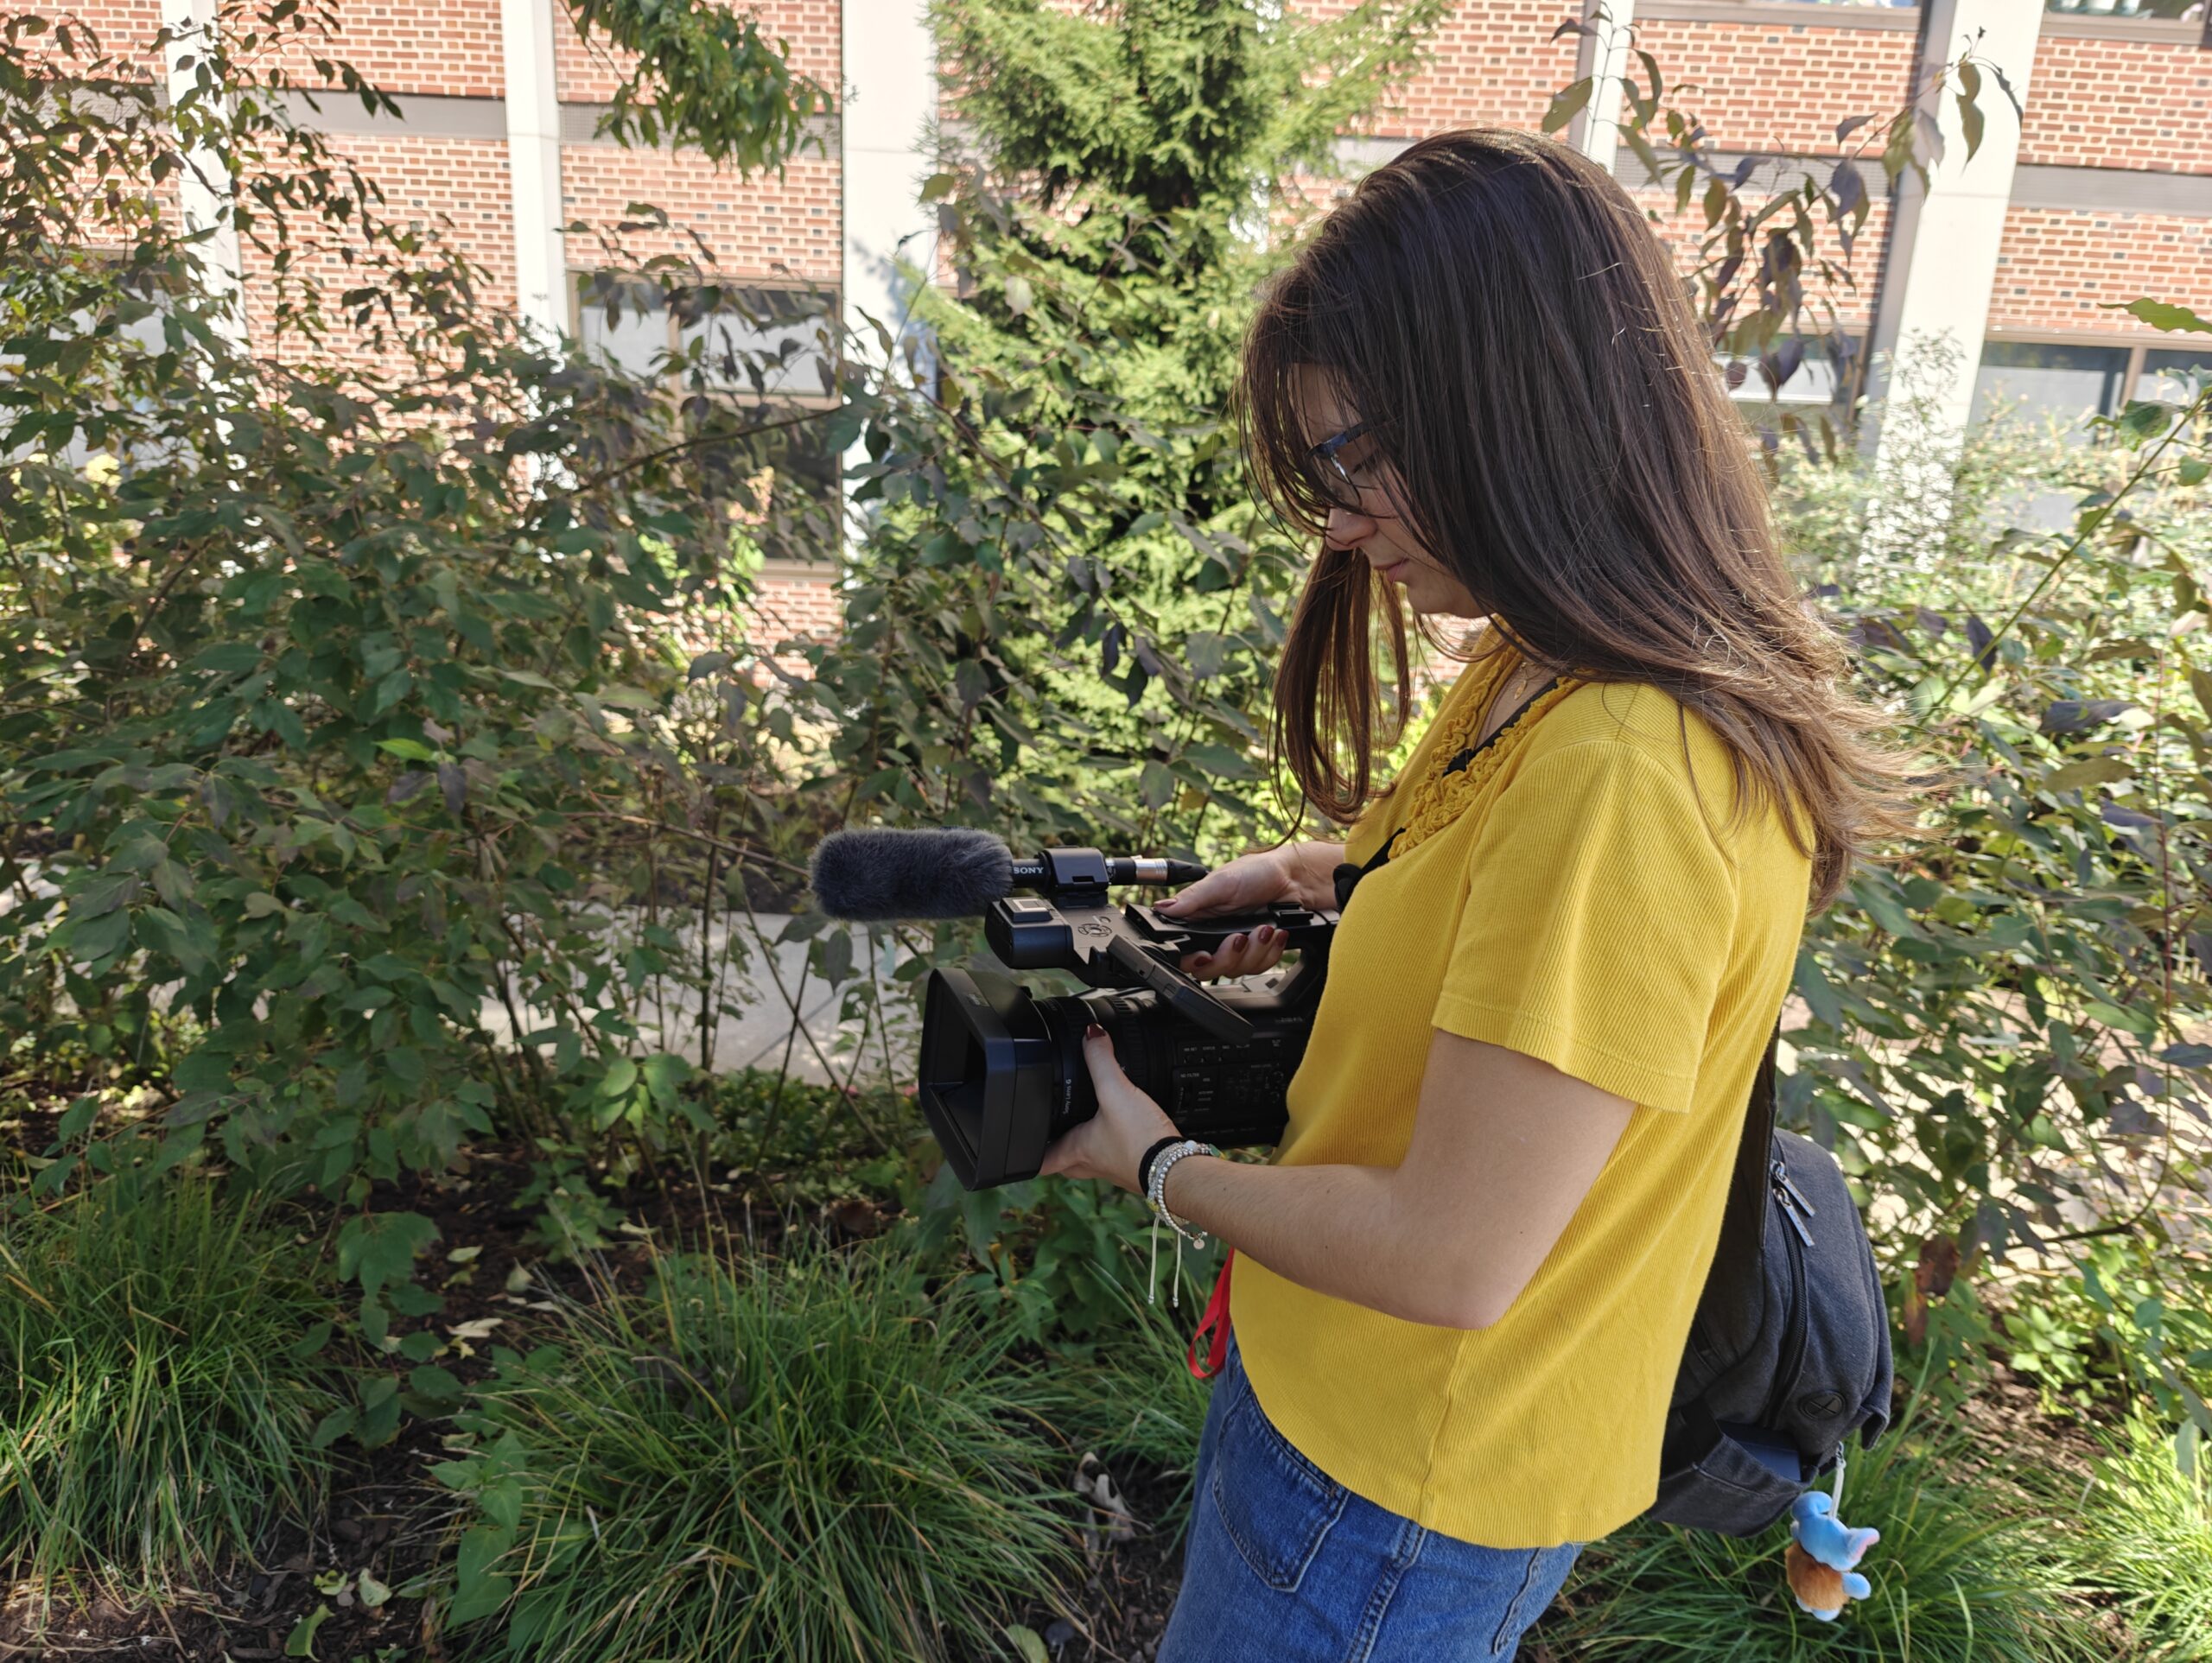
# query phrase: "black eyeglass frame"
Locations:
[[1329, 469]]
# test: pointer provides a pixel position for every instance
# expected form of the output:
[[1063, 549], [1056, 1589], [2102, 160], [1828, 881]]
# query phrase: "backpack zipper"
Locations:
[[1793, 1344], [1792, 1199]]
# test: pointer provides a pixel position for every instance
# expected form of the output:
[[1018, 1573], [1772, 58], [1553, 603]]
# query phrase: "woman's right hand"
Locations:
[[1294, 872]]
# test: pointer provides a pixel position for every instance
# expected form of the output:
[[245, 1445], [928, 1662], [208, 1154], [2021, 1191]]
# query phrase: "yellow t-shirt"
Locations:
[[1577, 894]]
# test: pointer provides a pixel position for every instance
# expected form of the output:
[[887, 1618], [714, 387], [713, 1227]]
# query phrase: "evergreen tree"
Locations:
[[1119, 182]]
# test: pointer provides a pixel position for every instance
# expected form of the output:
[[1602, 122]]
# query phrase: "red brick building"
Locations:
[[2102, 192]]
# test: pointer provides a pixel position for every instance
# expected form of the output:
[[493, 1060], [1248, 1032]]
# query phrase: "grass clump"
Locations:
[[2139, 1538], [158, 1385], [803, 1459], [1964, 1573]]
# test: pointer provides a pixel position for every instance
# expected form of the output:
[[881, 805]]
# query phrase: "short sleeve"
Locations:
[[1599, 924]]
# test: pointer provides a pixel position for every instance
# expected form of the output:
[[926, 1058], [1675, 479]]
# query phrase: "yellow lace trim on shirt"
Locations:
[[1437, 799]]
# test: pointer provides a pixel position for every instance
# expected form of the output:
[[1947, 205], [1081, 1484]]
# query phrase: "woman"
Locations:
[[1461, 1290]]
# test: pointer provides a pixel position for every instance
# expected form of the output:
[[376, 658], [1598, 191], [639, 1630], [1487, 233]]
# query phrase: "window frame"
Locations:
[[2136, 344], [579, 276], [676, 388]]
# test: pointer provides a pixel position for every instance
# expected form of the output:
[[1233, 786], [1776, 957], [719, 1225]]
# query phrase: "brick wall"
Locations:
[[1495, 64], [2058, 268], [755, 227], [589, 70], [1774, 86], [125, 27], [458, 187], [449, 48], [791, 603], [2119, 103]]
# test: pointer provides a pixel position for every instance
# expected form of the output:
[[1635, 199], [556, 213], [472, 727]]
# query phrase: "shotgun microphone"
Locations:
[[876, 874]]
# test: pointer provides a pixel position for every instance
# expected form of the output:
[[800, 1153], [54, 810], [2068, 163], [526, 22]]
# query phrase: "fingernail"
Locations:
[[1094, 1031], [1265, 934], [1235, 944]]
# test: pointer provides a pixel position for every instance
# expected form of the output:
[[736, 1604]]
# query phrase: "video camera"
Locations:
[[1002, 1070]]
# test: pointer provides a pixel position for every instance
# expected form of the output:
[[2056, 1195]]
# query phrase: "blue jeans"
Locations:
[[1283, 1564]]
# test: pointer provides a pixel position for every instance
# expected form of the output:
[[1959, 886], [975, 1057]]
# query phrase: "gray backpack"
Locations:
[[1789, 1351]]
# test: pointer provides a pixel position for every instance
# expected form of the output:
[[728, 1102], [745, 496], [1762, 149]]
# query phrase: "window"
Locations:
[[2172, 377], [2043, 381], [770, 342], [1821, 383], [769, 352], [1814, 381], [2189, 10]]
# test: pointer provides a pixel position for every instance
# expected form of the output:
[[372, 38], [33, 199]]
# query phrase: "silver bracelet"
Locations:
[[1162, 1165], [1155, 1193]]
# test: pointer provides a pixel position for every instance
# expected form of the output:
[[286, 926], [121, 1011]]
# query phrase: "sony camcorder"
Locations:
[[1002, 1070]]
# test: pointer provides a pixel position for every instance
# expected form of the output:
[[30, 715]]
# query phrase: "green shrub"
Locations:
[[2140, 1536], [804, 1459], [159, 1388], [1963, 1574], [2129, 1314]]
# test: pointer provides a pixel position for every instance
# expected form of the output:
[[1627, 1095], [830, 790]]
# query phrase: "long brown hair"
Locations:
[[1496, 307]]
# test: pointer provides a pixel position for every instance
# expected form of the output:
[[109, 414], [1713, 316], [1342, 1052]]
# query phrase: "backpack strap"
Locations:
[[1739, 1257]]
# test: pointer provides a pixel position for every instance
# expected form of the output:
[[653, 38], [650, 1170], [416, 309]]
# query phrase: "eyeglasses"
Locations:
[[1332, 478]]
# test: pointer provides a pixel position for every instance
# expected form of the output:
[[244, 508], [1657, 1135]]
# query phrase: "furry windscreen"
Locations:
[[875, 875]]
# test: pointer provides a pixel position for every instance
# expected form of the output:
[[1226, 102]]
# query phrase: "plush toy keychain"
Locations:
[[1821, 1553]]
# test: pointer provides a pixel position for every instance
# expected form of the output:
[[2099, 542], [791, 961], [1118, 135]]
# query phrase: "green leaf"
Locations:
[[2145, 419], [377, 1250], [93, 939], [1028, 1643], [205, 1070], [620, 1078], [332, 1427], [2090, 771], [2164, 314], [77, 1120], [1567, 103], [231, 658], [301, 1641], [481, 1592]]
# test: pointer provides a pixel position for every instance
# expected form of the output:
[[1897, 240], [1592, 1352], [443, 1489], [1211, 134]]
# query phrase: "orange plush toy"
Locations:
[[1821, 1555]]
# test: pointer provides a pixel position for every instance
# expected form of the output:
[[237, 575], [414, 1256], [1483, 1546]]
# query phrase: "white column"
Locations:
[[890, 76], [890, 96], [1933, 307], [534, 162], [1601, 53], [207, 186]]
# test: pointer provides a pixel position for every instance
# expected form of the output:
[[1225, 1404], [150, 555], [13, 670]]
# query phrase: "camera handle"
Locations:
[[1183, 996]]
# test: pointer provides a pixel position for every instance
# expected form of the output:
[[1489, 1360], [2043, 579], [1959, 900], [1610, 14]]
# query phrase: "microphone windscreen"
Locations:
[[875, 874]]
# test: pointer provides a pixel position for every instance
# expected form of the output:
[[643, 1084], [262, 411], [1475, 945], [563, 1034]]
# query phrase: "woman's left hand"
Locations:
[[1112, 1142]]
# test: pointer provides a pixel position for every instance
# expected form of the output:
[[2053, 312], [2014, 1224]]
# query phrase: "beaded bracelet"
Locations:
[[1162, 1161], [1156, 1191]]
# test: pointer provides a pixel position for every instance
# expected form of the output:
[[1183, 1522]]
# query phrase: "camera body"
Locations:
[[1002, 1070]]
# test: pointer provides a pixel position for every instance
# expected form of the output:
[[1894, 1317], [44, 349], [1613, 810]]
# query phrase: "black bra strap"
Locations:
[[1498, 733]]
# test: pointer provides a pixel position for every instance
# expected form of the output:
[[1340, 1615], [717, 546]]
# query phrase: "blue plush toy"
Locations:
[[1821, 1554]]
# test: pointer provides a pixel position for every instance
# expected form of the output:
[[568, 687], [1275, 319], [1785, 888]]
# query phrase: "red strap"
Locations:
[[1216, 1323]]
